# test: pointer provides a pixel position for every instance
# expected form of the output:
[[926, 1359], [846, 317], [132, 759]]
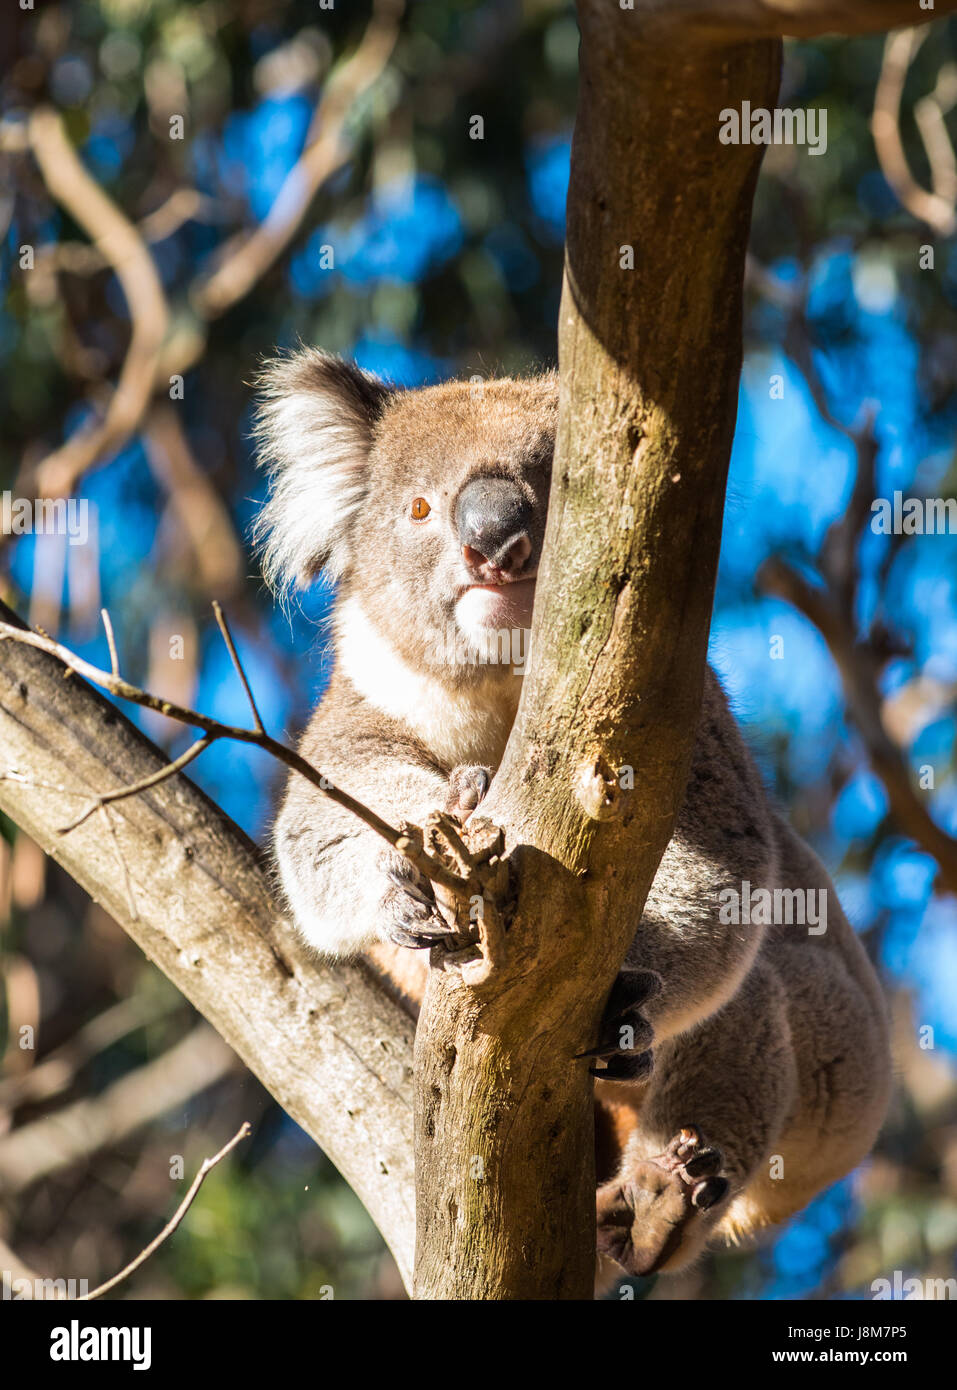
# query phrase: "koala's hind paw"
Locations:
[[645, 1213], [468, 784], [626, 1035], [410, 916]]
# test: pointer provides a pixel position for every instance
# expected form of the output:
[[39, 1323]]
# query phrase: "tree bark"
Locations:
[[736, 19], [650, 359], [194, 893]]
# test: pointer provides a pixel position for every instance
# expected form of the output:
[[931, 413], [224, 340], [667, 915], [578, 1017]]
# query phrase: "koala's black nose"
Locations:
[[493, 517]]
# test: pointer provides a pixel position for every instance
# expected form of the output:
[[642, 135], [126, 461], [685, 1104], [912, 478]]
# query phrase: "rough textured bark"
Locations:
[[649, 360], [324, 1040]]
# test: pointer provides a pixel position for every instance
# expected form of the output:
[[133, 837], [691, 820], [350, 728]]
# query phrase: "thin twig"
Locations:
[[208, 1165], [857, 665], [154, 779], [108, 625], [406, 840], [237, 664], [830, 606]]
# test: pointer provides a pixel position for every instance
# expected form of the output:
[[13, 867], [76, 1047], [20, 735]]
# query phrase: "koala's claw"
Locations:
[[411, 917], [408, 885], [643, 1213], [626, 1035], [468, 784], [414, 940]]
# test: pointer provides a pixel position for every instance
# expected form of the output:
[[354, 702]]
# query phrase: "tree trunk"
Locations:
[[649, 358]]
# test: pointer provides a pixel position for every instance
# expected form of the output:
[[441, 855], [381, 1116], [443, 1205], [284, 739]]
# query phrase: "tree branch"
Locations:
[[756, 19], [208, 1165], [325, 1040], [939, 207], [183, 205], [407, 839], [859, 675], [201, 515], [325, 152], [123, 247]]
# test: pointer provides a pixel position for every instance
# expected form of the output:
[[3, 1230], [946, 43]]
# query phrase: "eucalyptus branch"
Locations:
[[122, 245], [407, 840]]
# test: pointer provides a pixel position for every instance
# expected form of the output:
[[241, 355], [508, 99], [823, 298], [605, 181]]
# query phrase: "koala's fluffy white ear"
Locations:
[[314, 427]]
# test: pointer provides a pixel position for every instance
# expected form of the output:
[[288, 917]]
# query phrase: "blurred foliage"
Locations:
[[448, 254]]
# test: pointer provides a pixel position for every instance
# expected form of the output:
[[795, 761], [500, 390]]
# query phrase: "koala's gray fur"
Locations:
[[771, 1042]]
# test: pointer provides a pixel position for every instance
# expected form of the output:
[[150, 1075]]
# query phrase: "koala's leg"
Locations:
[[713, 1109], [843, 1077], [626, 1034]]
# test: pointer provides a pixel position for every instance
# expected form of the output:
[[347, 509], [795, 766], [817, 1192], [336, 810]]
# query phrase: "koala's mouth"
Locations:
[[506, 604]]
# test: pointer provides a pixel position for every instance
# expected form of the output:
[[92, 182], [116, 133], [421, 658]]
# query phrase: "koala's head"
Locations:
[[427, 506]]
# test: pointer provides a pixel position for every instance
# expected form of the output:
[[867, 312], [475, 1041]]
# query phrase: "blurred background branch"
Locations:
[[859, 665], [325, 151], [123, 249], [75, 1133], [938, 208]]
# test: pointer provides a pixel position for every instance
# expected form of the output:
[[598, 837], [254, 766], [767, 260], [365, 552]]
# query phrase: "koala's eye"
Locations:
[[420, 509]]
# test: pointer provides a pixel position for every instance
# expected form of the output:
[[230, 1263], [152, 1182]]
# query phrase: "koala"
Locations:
[[743, 1063]]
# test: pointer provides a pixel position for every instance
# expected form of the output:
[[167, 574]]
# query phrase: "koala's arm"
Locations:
[[725, 834], [335, 871]]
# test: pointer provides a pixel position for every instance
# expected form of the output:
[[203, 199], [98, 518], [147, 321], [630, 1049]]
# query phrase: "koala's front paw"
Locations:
[[626, 1036], [468, 784], [410, 916], [647, 1212]]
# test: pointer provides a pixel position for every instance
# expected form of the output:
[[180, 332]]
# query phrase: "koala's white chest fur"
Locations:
[[464, 725]]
